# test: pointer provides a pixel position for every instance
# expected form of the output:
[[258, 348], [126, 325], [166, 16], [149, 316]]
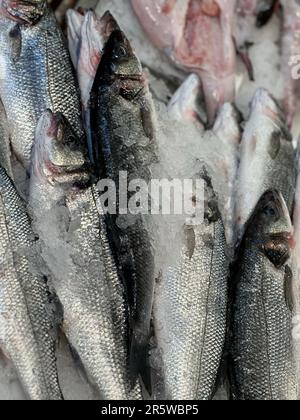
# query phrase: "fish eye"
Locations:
[[120, 52], [269, 211]]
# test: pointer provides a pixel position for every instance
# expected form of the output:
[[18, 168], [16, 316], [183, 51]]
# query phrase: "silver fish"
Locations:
[[190, 311], [36, 72], [125, 139], [75, 246], [262, 361], [267, 158], [27, 323]]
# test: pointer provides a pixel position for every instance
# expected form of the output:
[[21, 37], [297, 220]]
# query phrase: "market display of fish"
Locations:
[[149, 200], [262, 362], [27, 321]]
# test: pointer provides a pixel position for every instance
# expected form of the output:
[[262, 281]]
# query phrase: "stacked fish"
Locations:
[[152, 306]]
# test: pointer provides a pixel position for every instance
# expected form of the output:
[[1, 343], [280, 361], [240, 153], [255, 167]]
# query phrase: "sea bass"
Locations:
[[75, 246], [267, 158], [86, 40], [198, 35], [27, 321], [125, 140], [262, 361], [190, 310], [290, 55], [36, 72]]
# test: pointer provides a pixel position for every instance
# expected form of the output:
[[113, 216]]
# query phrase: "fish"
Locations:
[[185, 103], [124, 127], [261, 358], [190, 309], [71, 228], [184, 30], [226, 137], [94, 33], [261, 10], [267, 160], [290, 56], [36, 73], [27, 309]]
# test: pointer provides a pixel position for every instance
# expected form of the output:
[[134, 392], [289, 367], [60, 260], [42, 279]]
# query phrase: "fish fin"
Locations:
[[139, 365], [288, 288], [15, 42]]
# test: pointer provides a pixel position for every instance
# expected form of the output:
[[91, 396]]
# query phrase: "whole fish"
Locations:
[[36, 72], [291, 55], [198, 36], [267, 158], [262, 361], [75, 246], [93, 34], [190, 310], [27, 322], [74, 24], [125, 140]]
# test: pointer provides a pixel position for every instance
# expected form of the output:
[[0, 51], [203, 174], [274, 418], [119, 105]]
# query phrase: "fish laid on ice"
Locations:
[[75, 246], [27, 322], [262, 359], [36, 72], [190, 310], [198, 36], [125, 140], [267, 158]]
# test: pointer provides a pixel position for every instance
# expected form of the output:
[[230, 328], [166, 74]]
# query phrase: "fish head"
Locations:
[[23, 11], [59, 156], [270, 228], [119, 60]]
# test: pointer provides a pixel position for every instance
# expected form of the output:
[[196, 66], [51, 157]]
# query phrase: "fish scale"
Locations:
[[190, 316], [37, 75], [27, 325]]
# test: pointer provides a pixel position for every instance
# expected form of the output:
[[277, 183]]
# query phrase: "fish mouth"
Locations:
[[23, 11]]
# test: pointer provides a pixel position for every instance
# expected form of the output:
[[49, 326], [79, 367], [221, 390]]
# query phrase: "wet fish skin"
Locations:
[[262, 362], [179, 25], [27, 331], [190, 311], [124, 119], [36, 75], [78, 253], [87, 36], [266, 146]]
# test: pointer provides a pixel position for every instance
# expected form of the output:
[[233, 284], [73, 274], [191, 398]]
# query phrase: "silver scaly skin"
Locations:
[[262, 360], [26, 320], [75, 246], [267, 158], [35, 73], [125, 140], [190, 311]]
